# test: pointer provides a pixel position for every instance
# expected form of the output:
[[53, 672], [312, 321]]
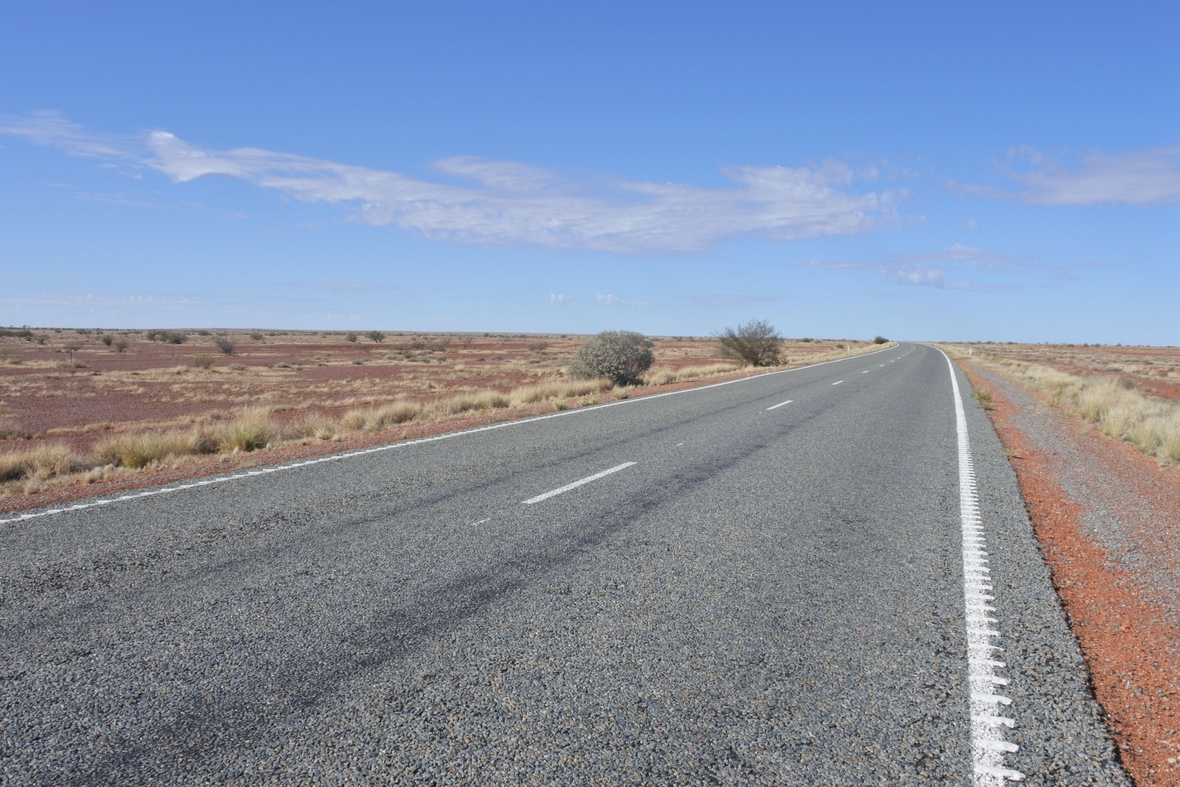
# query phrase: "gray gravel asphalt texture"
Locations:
[[765, 597]]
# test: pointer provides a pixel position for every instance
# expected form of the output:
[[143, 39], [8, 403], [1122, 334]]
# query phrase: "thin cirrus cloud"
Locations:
[[611, 302], [960, 267], [1146, 177], [727, 301], [501, 203]]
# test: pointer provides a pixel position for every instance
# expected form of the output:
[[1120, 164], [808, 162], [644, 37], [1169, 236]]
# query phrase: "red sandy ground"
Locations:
[[1130, 642]]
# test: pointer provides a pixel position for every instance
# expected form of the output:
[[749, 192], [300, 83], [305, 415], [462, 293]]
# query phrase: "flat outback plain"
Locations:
[[1093, 433], [85, 412]]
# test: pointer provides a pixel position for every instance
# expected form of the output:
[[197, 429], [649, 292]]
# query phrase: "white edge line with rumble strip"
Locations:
[[400, 445], [581, 481], [988, 746]]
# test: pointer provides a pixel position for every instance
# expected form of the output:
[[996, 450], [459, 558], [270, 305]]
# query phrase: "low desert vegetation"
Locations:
[[620, 356], [1112, 404], [755, 343]]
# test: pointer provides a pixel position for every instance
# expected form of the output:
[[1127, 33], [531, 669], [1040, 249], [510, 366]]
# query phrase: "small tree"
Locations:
[[225, 345], [376, 336], [755, 342], [620, 355], [880, 340], [350, 336]]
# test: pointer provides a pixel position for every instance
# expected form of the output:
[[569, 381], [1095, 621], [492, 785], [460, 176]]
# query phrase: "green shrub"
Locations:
[[202, 361], [755, 342], [620, 356], [376, 336], [880, 340], [225, 345]]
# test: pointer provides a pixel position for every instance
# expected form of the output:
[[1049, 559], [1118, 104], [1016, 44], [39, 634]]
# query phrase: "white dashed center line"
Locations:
[[576, 484], [837, 382], [780, 404]]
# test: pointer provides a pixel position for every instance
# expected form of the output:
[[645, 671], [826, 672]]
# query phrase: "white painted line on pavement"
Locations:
[[480, 522], [837, 382], [987, 743], [866, 371], [576, 484], [780, 404], [401, 444]]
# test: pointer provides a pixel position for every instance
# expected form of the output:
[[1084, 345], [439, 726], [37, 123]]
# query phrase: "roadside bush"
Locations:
[[202, 361], [225, 345], [120, 345], [106, 339], [376, 336], [350, 336], [620, 356], [755, 342], [880, 340]]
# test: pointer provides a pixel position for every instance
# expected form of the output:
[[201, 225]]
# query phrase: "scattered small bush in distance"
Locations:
[[880, 340], [376, 336], [225, 345], [350, 336], [202, 361], [106, 339], [120, 344]]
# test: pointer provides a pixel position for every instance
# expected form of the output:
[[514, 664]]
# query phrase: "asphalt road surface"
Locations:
[[779, 580]]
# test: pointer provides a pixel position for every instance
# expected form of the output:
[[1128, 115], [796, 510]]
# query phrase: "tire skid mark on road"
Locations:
[[987, 703]]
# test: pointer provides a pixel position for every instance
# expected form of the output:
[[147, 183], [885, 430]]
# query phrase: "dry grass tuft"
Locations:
[[251, 430], [40, 463]]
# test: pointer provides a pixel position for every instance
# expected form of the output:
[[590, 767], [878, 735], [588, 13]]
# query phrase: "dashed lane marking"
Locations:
[[559, 490]]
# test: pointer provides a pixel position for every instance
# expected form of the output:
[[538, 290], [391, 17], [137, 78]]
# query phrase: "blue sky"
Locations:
[[998, 171]]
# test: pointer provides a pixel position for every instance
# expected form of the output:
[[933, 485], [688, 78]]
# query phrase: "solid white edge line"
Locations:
[[988, 746], [432, 439], [576, 484], [780, 404]]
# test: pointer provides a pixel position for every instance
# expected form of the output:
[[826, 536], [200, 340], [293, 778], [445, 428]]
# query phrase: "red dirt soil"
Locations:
[[1129, 639]]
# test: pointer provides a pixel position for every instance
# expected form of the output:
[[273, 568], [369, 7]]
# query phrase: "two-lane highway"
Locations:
[[807, 577]]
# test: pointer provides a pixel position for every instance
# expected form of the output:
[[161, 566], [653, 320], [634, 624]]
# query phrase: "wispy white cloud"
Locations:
[[960, 267], [1146, 177], [611, 302], [49, 128], [558, 299], [499, 203]]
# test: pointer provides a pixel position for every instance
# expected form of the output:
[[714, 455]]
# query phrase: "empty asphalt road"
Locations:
[[822, 576]]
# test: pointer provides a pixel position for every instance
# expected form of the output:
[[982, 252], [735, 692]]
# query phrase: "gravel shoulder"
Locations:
[[1106, 518]]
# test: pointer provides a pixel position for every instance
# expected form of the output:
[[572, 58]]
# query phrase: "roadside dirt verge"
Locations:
[[1108, 520]]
